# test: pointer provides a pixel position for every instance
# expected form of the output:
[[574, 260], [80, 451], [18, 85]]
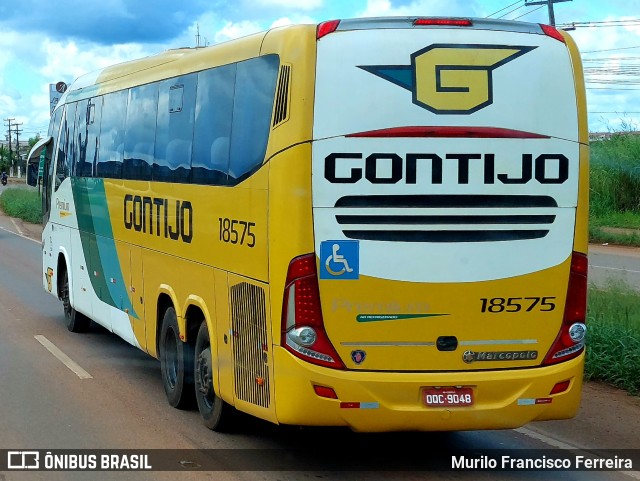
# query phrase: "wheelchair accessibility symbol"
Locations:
[[339, 260]]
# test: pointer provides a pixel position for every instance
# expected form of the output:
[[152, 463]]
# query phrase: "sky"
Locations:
[[44, 42]]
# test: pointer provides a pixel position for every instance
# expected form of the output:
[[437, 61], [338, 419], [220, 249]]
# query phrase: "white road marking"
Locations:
[[63, 358], [20, 235], [555, 443], [15, 224], [614, 269]]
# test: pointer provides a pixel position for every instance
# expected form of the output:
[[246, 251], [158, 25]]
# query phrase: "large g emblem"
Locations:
[[450, 79]]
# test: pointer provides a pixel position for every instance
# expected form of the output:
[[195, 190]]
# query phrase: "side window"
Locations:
[[212, 133], [89, 118], [65, 146], [174, 131], [111, 143], [140, 132], [54, 125], [54, 130], [80, 137], [253, 103]]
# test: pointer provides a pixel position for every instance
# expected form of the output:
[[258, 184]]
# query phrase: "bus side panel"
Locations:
[[581, 239], [84, 296], [296, 47], [291, 223], [219, 335], [136, 294]]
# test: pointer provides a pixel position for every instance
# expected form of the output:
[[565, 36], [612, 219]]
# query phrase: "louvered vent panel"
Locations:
[[445, 218], [281, 111], [249, 325]]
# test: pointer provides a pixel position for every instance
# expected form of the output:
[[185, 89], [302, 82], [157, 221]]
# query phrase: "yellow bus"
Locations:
[[373, 223]]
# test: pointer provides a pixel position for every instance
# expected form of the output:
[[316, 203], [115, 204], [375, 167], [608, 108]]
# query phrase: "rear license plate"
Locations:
[[447, 396]]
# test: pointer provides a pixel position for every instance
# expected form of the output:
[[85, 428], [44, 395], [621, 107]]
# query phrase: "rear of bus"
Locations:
[[449, 185]]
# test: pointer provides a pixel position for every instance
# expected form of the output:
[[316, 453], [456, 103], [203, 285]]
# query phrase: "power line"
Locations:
[[549, 4], [504, 8], [608, 88], [511, 11], [604, 23], [531, 11], [611, 49]]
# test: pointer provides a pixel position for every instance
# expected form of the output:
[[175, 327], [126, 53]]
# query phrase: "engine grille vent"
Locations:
[[249, 342]]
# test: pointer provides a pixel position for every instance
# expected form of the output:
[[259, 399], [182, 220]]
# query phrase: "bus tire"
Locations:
[[216, 414], [176, 363], [76, 321]]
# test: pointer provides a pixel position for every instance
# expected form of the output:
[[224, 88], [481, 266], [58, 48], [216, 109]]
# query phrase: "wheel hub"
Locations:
[[204, 375]]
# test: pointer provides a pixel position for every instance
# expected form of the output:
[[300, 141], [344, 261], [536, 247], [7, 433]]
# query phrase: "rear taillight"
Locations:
[[303, 332], [552, 32], [444, 22], [325, 28], [570, 340]]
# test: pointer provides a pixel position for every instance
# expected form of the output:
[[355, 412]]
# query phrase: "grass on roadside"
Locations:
[[22, 203], [597, 235], [613, 337]]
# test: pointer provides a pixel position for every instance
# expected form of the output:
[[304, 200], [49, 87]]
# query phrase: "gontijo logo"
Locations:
[[449, 78]]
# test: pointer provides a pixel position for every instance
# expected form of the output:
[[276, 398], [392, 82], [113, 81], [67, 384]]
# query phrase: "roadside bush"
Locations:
[[615, 175], [22, 203], [613, 337]]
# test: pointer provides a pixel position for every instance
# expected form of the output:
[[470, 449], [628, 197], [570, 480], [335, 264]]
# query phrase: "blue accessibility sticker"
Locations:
[[340, 260]]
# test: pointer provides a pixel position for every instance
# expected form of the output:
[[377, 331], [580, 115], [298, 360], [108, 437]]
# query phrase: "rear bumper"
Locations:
[[392, 401]]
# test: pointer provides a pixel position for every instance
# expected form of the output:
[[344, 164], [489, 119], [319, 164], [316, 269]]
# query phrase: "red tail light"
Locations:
[[447, 22], [552, 32], [325, 28], [570, 340], [303, 332]]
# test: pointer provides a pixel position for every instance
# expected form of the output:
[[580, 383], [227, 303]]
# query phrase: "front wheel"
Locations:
[[76, 322], [216, 414]]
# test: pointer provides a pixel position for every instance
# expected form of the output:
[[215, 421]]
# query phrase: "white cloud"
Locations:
[[67, 60], [233, 30], [284, 21], [383, 8], [290, 4]]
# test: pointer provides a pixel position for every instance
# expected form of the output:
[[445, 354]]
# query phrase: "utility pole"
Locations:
[[549, 4], [9, 128], [18, 131]]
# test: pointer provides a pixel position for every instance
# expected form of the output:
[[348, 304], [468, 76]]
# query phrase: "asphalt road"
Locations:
[[46, 405], [614, 264]]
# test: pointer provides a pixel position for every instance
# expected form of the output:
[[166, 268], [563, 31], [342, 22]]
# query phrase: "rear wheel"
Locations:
[[176, 363], [216, 414], [76, 322]]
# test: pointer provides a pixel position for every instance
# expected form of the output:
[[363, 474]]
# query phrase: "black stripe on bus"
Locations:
[[446, 201], [445, 219], [445, 235]]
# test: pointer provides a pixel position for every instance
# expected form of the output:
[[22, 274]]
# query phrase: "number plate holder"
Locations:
[[448, 396]]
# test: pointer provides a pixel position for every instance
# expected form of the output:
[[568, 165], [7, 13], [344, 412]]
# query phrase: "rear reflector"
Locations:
[[325, 28], [560, 387], [444, 22], [324, 391], [451, 132], [552, 32]]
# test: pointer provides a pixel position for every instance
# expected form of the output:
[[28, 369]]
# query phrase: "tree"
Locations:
[[4, 158], [34, 140]]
